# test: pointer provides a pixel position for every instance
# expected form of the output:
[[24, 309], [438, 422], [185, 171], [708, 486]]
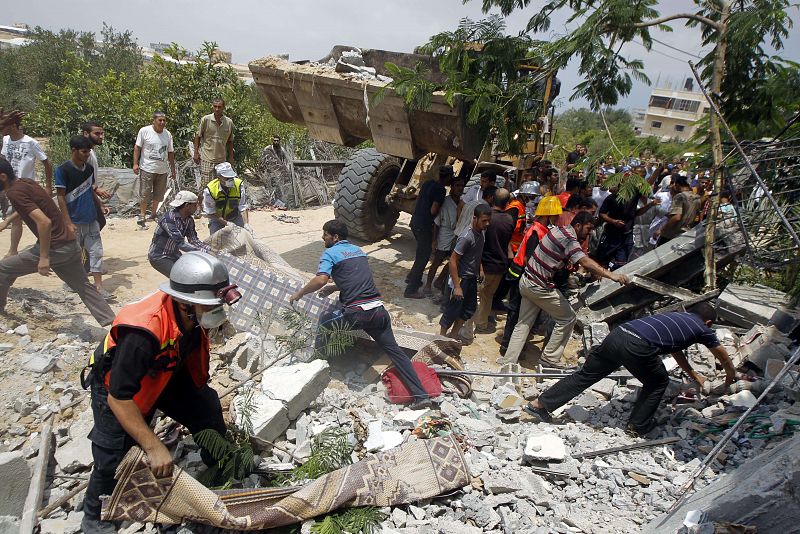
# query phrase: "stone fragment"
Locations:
[[21, 330], [605, 387], [374, 440], [409, 418], [544, 446], [297, 386], [641, 479], [748, 305], [40, 363], [399, 517], [391, 439], [268, 416], [578, 413], [67, 525], [5, 347], [24, 341], [16, 477], [499, 481], [742, 399], [417, 512], [76, 454]]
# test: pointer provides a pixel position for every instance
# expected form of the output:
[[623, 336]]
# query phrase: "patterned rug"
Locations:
[[409, 473]]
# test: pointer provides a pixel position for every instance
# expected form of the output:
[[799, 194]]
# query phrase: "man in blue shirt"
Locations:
[[78, 200], [638, 346], [362, 307]]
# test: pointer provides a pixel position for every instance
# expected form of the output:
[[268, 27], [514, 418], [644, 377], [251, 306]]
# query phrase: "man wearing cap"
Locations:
[[224, 200], [175, 234], [153, 157], [430, 200], [156, 356]]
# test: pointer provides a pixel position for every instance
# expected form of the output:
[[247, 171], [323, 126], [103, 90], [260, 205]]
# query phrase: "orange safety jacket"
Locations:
[[541, 231], [519, 223], [156, 314]]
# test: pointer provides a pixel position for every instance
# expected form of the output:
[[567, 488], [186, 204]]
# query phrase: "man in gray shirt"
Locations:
[[465, 270], [444, 237]]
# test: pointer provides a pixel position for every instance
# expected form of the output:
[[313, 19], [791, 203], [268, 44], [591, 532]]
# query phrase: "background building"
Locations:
[[673, 113]]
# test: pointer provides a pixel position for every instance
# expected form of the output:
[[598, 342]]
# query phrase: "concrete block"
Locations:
[[748, 305], [76, 454], [9, 524], [544, 446], [578, 413], [761, 493], [40, 363], [296, 386], [605, 387], [16, 477], [268, 415]]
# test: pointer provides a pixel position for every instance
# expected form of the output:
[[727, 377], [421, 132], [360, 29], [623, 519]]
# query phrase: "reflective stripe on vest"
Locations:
[[227, 202], [155, 314]]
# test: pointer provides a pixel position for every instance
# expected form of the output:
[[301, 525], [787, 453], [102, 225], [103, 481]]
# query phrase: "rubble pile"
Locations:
[[526, 477]]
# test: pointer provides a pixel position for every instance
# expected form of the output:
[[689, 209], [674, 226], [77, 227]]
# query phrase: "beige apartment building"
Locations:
[[673, 114]]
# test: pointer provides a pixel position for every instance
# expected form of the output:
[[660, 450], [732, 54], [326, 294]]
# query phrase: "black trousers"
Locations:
[[424, 237], [620, 348], [196, 409], [461, 308], [512, 316], [378, 325]]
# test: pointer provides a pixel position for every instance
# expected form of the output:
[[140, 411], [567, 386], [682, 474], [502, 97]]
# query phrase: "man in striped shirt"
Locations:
[[561, 245], [638, 345]]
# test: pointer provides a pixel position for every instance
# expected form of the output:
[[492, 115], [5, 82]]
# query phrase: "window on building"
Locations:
[[660, 102], [686, 105], [679, 127], [655, 124]]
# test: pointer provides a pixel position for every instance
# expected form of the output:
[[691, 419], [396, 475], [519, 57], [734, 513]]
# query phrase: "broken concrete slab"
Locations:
[[544, 446], [268, 416], [761, 493], [749, 305], [674, 263], [297, 385], [40, 363], [16, 476], [76, 454], [409, 418]]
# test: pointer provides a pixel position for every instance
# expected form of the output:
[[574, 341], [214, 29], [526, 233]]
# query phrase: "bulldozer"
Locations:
[[376, 184]]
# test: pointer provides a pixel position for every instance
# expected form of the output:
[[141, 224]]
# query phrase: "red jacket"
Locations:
[[541, 231], [156, 314]]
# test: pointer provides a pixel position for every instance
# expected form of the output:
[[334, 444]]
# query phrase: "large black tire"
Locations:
[[361, 191]]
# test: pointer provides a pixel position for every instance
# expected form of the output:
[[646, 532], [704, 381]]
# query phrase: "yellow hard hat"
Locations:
[[549, 205]]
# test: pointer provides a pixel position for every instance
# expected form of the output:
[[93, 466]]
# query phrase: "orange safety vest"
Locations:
[[156, 314], [541, 231], [519, 224]]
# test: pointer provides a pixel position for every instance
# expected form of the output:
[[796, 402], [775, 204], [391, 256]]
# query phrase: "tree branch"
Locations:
[[699, 18]]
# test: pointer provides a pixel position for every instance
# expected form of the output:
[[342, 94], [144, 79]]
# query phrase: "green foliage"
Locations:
[[759, 92], [330, 450], [300, 334], [353, 520], [482, 68], [628, 184], [28, 69], [233, 454]]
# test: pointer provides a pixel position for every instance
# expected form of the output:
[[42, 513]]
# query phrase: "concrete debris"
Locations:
[[379, 439], [409, 418], [743, 399], [76, 454], [544, 446], [297, 386], [39, 363], [16, 476], [748, 305], [21, 330], [268, 416]]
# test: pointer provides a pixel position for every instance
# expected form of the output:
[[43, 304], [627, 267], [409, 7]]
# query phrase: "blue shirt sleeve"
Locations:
[[60, 179], [326, 263], [708, 338]]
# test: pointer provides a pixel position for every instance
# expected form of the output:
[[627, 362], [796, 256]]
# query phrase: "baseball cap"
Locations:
[[182, 198], [225, 170]]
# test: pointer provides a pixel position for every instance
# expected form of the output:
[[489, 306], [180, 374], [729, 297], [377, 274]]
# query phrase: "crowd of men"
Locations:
[[500, 252]]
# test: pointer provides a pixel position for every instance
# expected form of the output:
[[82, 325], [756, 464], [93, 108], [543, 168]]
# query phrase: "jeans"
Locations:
[[424, 237], [378, 325], [215, 226], [614, 249], [461, 308], [162, 265], [92, 245], [620, 348], [196, 409]]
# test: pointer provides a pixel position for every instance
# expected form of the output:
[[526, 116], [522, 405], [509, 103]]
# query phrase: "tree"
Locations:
[[736, 63]]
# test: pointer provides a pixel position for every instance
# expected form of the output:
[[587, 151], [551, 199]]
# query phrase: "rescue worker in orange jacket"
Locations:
[[547, 213], [156, 356]]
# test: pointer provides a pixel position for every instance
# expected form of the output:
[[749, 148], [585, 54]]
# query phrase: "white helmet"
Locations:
[[200, 278]]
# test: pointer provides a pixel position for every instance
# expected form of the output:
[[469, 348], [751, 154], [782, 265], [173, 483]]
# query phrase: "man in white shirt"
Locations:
[[153, 157], [22, 151]]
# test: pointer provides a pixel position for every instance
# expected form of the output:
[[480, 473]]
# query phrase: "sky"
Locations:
[[307, 29]]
